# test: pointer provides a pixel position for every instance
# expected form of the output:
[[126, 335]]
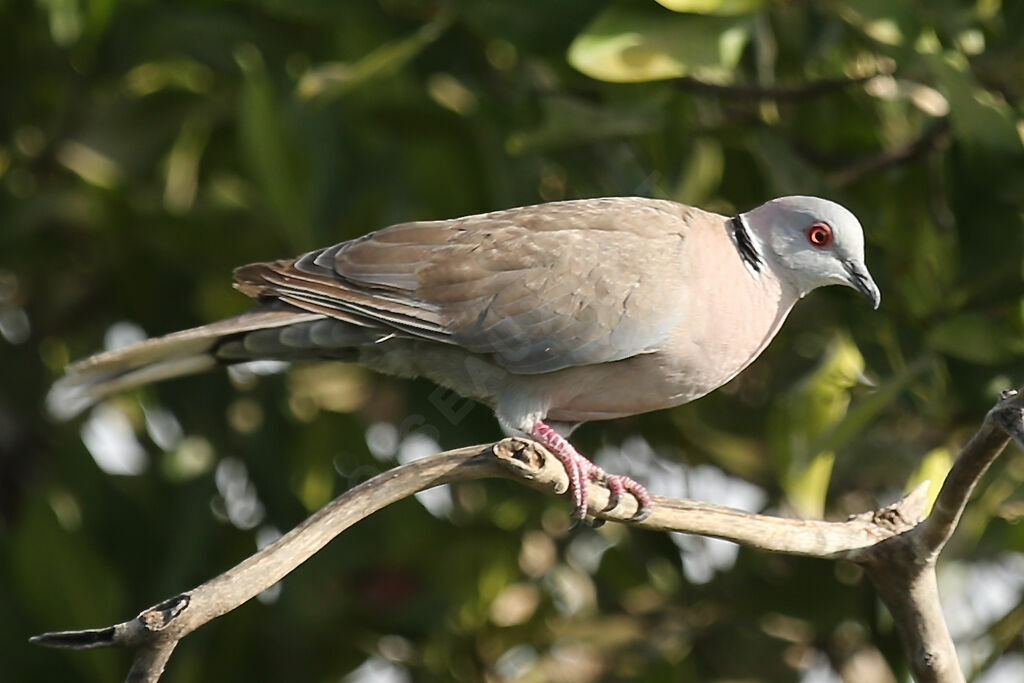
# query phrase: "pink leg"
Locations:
[[581, 471]]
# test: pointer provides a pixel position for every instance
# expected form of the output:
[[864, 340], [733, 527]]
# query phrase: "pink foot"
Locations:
[[581, 471]]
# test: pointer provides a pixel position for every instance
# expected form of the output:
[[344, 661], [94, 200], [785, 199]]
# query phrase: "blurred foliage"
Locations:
[[146, 148]]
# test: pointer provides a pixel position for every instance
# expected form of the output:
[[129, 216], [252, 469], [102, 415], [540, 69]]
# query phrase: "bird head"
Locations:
[[811, 243]]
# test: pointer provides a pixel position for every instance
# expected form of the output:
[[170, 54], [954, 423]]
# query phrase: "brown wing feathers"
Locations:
[[529, 285]]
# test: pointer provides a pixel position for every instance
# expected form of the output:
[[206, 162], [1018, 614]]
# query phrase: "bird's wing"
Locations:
[[540, 288]]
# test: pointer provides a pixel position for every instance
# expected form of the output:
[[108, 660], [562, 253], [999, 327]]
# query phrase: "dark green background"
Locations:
[[146, 148]]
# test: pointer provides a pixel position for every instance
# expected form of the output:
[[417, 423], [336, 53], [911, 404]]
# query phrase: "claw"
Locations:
[[615, 491], [581, 471]]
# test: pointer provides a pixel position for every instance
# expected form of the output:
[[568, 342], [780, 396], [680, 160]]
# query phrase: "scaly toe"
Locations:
[[623, 484]]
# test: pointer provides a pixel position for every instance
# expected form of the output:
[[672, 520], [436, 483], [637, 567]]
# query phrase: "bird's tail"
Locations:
[[262, 333]]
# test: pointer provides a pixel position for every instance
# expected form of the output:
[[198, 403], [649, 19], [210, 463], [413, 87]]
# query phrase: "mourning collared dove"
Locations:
[[553, 314]]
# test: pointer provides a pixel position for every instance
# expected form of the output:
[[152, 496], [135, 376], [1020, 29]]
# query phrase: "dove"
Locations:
[[553, 314]]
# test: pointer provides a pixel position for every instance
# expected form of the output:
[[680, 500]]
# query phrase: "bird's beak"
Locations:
[[860, 279]]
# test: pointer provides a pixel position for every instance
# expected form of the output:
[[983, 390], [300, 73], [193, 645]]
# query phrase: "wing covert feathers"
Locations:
[[539, 288]]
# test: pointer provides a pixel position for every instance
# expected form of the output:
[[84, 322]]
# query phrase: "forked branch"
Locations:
[[898, 550]]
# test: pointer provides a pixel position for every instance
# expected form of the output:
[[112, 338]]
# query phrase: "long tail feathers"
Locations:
[[182, 353]]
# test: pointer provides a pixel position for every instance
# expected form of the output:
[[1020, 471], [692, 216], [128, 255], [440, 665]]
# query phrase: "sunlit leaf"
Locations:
[[890, 22], [335, 79], [626, 44], [933, 468], [184, 74], [980, 118], [976, 338], [713, 6], [859, 416], [702, 172], [814, 406], [183, 164]]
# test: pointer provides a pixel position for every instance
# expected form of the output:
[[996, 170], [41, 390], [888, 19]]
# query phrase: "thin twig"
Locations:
[[937, 135], [793, 93], [1003, 422]]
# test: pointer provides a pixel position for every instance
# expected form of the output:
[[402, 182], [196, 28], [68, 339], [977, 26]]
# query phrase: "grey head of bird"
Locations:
[[812, 242]]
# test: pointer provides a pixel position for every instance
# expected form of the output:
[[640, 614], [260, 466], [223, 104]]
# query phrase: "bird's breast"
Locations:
[[728, 315]]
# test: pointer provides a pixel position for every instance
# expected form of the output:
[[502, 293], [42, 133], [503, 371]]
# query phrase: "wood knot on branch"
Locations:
[[157, 618], [528, 460], [890, 518]]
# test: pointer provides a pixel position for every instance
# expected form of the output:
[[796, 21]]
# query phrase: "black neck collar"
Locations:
[[745, 244]]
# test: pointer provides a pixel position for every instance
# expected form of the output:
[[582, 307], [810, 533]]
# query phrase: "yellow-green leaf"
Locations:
[[624, 44], [721, 7], [933, 468], [809, 410], [335, 79], [806, 487], [976, 339], [980, 117], [270, 143]]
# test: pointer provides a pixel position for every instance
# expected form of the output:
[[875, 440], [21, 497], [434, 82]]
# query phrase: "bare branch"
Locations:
[[910, 591], [150, 661], [804, 91], [903, 568], [897, 550], [776, 534], [159, 627], [935, 137]]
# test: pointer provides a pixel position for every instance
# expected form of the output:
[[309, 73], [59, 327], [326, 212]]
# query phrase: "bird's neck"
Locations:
[[746, 244]]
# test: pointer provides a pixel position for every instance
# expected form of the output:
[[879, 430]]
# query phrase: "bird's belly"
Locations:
[[697, 365], [628, 387], [699, 362]]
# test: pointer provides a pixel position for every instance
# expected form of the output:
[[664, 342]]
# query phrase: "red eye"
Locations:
[[820, 235]]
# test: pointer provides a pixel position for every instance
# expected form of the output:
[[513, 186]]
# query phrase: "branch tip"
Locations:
[[1008, 414], [77, 640]]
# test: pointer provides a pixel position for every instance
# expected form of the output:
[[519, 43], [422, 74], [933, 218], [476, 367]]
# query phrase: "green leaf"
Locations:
[[812, 408], [934, 467], [332, 80], [784, 171], [61, 578], [720, 7], [976, 338], [624, 44], [980, 118], [271, 146], [857, 419], [702, 174], [890, 22], [569, 121], [182, 176]]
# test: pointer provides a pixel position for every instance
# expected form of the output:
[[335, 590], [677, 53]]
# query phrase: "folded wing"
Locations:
[[538, 288]]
